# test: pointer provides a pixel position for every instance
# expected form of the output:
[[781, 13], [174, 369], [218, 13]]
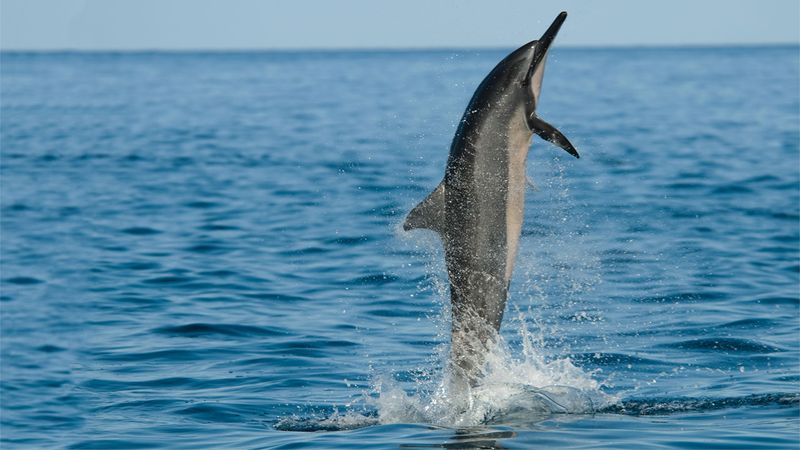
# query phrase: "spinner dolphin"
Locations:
[[478, 207]]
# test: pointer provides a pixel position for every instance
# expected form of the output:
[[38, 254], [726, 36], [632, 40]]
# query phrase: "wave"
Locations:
[[676, 405], [531, 405]]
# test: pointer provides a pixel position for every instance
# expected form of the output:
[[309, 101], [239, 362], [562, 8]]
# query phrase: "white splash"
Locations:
[[512, 388]]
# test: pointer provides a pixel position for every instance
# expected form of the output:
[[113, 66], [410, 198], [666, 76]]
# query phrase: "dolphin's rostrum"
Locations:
[[478, 208]]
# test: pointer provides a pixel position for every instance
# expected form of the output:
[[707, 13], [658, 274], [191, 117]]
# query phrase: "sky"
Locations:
[[325, 24]]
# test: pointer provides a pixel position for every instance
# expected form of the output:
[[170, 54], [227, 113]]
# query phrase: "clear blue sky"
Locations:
[[248, 24]]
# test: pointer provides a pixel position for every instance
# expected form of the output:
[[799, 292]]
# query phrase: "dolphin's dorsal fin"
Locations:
[[429, 213], [551, 134]]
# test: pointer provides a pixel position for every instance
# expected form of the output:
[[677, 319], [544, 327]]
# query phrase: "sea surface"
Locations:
[[204, 250]]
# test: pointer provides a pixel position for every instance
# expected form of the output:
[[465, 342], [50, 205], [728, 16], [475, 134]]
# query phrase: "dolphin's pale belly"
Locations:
[[515, 197]]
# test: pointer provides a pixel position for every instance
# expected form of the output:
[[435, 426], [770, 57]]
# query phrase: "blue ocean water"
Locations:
[[203, 250]]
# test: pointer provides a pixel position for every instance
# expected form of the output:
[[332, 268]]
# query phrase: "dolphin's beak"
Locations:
[[543, 44]]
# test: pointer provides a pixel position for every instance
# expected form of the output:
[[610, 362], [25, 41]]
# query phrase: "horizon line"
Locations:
[[388, 48]]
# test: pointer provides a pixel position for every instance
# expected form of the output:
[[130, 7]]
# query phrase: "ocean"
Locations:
[[204, 250]]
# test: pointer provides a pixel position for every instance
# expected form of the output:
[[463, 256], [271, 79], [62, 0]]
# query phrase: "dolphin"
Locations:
[[478, 208]]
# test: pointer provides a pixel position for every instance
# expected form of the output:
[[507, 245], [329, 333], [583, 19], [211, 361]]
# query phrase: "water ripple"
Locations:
[[726, 345], [205, 329]]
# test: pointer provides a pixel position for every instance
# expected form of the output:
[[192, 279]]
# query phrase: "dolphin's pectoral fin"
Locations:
[[429, 213], [551, 134]]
